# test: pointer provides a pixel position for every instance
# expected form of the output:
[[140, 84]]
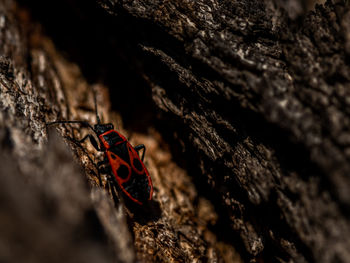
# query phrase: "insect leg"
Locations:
[[85, 123], [111, 181], [105, 161], [111, 184], [138, 148], [106, 168], [92, 140], [78, 143]]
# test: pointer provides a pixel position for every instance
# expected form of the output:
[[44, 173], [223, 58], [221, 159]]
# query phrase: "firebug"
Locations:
[[121, 160]]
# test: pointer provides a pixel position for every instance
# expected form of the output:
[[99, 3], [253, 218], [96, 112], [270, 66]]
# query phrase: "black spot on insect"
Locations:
[[137, 164], [123, 171], [113, 156], [136, 187], [122, 151]]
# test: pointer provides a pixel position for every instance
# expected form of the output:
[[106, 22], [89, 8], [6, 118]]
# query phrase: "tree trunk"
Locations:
[[49, 214], [243, 106]]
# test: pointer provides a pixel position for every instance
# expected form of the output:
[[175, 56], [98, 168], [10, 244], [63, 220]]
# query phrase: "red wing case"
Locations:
[[130, 173]]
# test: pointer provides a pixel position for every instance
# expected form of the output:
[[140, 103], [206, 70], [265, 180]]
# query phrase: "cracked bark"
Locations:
[[254, 104], [43, 190], [260, 96]]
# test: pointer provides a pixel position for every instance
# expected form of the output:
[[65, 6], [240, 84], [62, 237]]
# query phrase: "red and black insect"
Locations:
[[121, 160]]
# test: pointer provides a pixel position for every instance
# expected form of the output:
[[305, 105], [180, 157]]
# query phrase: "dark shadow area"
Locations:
[[105, 49], [148, 212], [264, 217]]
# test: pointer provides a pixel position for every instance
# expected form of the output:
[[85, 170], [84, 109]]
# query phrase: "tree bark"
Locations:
[[46, 214], [251, 101], [260, 98], [44, 191]]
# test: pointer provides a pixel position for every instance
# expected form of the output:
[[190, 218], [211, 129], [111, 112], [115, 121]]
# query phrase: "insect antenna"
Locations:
[[97, 117], [62, 122]]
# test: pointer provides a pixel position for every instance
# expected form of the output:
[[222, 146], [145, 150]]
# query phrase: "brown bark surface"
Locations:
[[260, 97], [46, 204], [243, 107]]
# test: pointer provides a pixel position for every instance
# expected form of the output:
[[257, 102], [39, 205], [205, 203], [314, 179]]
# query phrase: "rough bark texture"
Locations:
[[254, 103], [47, 212], [262, 101]]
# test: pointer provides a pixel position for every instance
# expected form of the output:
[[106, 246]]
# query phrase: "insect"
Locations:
[[121, 160]]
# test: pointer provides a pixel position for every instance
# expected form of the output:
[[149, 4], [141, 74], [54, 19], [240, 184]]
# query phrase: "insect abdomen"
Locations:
[[138, 187]]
